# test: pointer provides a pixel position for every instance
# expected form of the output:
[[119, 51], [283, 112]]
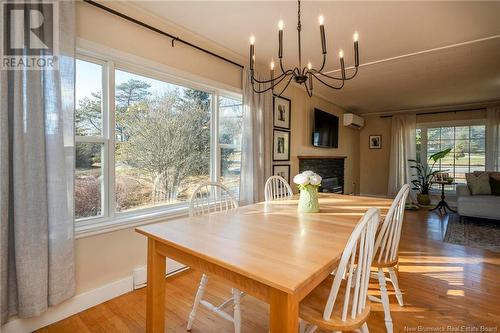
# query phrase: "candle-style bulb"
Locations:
[[252, 40], [272, 64], [341, 54], [280, 25], [355, 37], [309, 65], [321, 20]]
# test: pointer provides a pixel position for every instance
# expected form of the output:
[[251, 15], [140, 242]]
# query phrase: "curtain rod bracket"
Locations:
[[174, 40]]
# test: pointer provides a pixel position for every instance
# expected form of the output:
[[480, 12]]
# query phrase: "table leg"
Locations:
[[284, 312], [155, 305]]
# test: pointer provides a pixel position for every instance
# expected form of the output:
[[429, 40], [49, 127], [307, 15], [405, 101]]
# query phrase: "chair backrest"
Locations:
[[277, 188], [211, 197], [355, 265], [387, 243]]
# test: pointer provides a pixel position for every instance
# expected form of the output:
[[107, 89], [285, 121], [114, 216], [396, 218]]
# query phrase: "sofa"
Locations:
[[481, 206]]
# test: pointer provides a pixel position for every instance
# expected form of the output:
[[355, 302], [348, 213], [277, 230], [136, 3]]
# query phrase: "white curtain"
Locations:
[[36, 172], [256, 147], [403, 148], [493, 139]]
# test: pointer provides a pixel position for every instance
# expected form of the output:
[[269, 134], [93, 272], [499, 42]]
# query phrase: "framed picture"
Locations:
[[282, 171], [282, 112], [281, 145], [375, 142]]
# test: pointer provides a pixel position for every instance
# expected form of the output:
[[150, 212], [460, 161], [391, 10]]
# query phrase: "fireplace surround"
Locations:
[[330, 168]]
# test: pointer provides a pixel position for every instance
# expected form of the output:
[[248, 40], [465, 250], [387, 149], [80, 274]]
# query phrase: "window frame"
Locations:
[[424, 126], [110, 219]]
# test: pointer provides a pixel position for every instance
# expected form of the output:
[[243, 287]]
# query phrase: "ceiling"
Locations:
[[460, 74]]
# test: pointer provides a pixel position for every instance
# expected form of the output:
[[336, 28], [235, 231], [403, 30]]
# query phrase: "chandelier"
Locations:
[[302, 75]]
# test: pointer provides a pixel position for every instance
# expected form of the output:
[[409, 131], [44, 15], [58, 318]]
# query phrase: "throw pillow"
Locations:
[[495, 186], [478, 184]]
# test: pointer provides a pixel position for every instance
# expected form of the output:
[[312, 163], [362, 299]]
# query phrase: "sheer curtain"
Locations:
[[256, 144], [493, 139], [403, 148], [36, 200]]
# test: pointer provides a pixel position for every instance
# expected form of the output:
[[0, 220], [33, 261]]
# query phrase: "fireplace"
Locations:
[[330, 168]]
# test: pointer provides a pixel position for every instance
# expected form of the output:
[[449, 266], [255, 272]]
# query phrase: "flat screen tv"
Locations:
[[325, 130]]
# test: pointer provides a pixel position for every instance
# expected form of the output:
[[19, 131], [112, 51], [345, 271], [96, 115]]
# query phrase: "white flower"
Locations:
[[301, 179], [308, 173], [315, 179]]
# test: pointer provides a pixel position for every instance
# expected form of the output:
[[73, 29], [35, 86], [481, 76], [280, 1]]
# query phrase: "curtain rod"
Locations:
[[174, 38], [437, 112]]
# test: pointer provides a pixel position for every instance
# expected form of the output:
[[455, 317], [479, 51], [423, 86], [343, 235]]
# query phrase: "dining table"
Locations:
[[268, 250]]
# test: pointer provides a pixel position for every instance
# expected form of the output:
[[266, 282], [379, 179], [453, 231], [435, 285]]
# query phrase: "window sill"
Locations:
[[102, 226]]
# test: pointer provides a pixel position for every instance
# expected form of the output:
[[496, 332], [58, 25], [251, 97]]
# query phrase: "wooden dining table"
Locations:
[[267, 250]]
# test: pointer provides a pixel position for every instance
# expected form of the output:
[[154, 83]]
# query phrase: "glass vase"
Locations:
[[308, 200]]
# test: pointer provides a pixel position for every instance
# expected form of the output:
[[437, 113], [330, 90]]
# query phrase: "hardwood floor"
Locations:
[[443, 285]]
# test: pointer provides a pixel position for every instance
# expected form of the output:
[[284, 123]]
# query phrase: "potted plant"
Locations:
[[425, 176]]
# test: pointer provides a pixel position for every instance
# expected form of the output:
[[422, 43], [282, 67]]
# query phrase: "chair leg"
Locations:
[[197, 300], [302, 326], [395, 283], [385, 300], [364, 328], [237, 310]]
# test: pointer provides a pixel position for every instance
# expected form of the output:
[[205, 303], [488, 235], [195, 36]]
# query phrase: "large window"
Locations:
[[144, 142], [467, 143]]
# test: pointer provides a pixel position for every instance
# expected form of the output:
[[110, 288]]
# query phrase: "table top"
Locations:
[[270, 242]]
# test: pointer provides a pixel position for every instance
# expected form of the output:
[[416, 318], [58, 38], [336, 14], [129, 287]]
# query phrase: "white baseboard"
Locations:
[[72, 306], [140, 273], [86, 300]]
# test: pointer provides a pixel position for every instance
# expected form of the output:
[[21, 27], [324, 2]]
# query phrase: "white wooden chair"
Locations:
[[277, 188], [338, 303], [208, 198], [386, 252]]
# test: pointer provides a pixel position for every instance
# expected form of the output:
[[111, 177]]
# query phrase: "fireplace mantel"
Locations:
[[310, 157]]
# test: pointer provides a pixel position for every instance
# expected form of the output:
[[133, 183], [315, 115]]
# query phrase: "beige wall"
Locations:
[[109, 257], [98, 26], [374, 163], [302, 123]]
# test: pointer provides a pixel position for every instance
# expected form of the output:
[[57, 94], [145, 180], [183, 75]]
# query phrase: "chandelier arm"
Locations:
[[328, 76], [329, 85], [286, 86], [309, 92], [353, 75], [337, 78], [323, 64], [272, 85], [281, 66], [267, 81]]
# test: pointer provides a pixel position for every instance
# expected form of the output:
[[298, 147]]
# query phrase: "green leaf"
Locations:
[[439, 155]]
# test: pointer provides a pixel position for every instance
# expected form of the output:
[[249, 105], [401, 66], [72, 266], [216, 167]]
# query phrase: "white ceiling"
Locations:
[[457, 75]]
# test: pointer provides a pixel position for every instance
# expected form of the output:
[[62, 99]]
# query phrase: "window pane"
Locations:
[[447, 133], [162, 147], [230, 127], [462, 132], [433, 134], [477, 146], [88, 92], [477, 131], [88, 180], [418, 139]]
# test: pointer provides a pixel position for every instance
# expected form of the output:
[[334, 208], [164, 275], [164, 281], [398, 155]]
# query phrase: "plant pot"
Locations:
[[423, 199], [308, 200]]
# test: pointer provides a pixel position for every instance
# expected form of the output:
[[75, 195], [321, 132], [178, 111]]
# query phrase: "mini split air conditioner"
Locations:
[[353, 121]]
